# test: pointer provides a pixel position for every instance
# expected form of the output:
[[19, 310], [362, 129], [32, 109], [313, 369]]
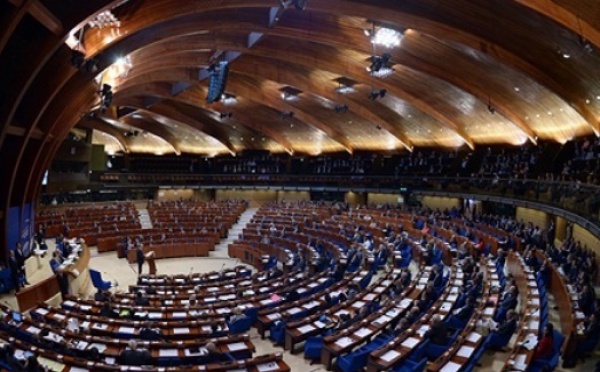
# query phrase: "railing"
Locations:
[[576, 201]]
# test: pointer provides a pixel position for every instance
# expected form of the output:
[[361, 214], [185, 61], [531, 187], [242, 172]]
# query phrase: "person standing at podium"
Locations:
[[141, 258]]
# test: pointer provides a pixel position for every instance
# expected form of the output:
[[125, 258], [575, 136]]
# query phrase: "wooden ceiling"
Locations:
[[457, 59]]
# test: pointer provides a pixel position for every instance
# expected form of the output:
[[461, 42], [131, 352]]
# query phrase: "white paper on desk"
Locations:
[[181, 331], [530, 342], [307, 328], [85, 307], [453, 290], [488, 311], [410, 342], [100, 347], [344, 341], [465, 351], [382, 319], [520, 362], [42, 311], [451, 367], [109, 360], [310, 305], [266, 301], [424, 328], [405, 303], [359, 304], [69, 303], [154, 315], [210, 299], [446, 306], [273, 316], [212, 289], [534, 324], [33, 330], [60, 316], [101, 326], [473, 337], [293, 310], [363, 332], [423, 281], [180, 314], [201, 351], [228, 297], [319, 324], [81, 345], [129, 330], [390, 355], [392, 313], [168, 352], [266, 367], [237, 346]]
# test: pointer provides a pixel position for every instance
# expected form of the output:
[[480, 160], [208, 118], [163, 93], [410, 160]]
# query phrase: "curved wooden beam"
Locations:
[[151, 127], [163, 91], [103, 126], [163, 111]]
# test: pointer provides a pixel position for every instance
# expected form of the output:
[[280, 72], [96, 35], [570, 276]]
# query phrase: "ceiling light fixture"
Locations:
[[225, 115], [105, 19], [387, 37], [377, 94], [341, 108], [228, 99]]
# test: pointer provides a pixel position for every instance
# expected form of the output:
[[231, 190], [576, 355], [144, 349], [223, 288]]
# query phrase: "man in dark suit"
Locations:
[[140, 258], [132, 356], [15, 270], [509, 326], [140, 300], [151, 333], [465, 312], [438, 333]]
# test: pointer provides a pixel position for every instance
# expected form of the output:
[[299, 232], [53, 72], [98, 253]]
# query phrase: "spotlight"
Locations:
[[341, 108], [491, 109], [225, 115], [286, 114], [377, 94]]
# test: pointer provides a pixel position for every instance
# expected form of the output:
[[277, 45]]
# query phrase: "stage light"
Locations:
[[387, 37]]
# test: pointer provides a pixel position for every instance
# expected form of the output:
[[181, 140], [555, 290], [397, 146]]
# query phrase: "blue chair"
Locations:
[[411, 365], [475, 359], [313, 347], [98, 282], [550, 362], [405, 261], [495, 340], [455, 323], [240, 326], [252, 313], [277, 333], [434, 351], [355, 361]]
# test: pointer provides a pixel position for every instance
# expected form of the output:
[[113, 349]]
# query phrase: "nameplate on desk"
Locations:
[[129, 330], [196, 352], [390, 355]]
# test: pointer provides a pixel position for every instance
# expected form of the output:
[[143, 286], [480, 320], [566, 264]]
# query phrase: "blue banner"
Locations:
[[14, 227], [27, 229]]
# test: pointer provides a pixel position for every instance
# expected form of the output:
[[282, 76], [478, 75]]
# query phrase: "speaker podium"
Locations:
[[151, 262]]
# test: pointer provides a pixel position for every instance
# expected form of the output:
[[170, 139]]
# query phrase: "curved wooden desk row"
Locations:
[[45, 290], [235, 273], [200, 249], [49, 358], [300, 330], [309, 305], [175, 330], [226, 293], [151, 236], [566, 309], [399, 348], [469, 340]]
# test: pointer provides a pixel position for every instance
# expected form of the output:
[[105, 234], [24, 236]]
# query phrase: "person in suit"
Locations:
[[140, 300], [107, 311], [151, 333], [545, 344], [140, 258], [509, 326], [134, 356], [213, 355], [20, 256], [13, 264], [293, 295], [54, 262], [63, 283], [438, 333], [465, 312], [238, 314]]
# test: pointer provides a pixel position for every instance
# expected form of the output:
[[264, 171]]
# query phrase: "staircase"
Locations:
[[233, 233], [144, 217]]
